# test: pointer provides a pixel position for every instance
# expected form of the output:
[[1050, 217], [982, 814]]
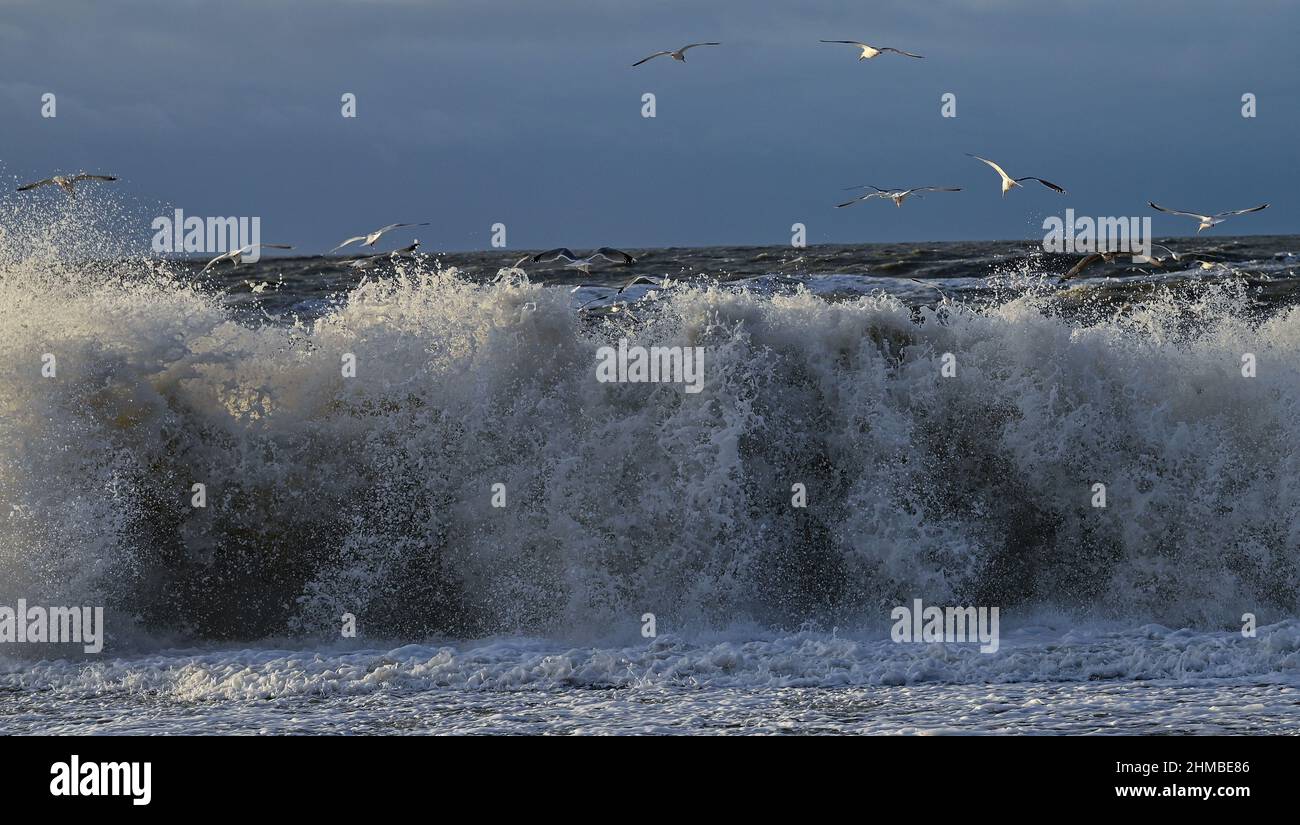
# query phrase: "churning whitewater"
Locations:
[[372, 494]]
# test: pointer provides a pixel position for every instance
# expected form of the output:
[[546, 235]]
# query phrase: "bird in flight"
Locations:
[[65, 182], [869, 52], [1157, 261], [1088, 260], [584, 264], [237, 255], [675, 54], [372, 260], [1008, 182], [1208, 221], [896, 195], [370, 238], [638, 280]]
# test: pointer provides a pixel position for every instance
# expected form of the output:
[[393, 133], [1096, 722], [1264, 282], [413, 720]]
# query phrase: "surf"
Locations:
[[371, 494]]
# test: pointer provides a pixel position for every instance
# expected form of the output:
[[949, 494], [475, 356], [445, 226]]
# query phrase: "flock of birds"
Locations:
[[1008, 182], [68, 183]]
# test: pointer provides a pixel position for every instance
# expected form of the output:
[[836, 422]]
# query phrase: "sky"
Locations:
[[529, 114]]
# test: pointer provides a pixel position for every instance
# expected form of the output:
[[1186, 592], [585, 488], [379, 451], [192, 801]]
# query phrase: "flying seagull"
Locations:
[[370, 237], [1008, 182], [1208, 221], [237, 255], [676, 54], [640, 279], [869, 52], [371, 260], [574, 262], [1158, 261], [896, 195], [1089, 260], [65, 182], [929, 285]]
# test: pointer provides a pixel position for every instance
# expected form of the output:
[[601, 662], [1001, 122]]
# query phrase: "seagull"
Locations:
[[896, 195], [1158, 260], [371, 260], [1208, 221], [678, 54], [1138, 258], [237, 255], [638, 280], [927, 285], [869, 52], [65, 182], [1089, 260], [584, 264], [1008, 182], [369, 238]]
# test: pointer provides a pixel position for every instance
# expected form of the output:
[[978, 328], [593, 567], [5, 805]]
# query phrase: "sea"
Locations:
[[470, 533]]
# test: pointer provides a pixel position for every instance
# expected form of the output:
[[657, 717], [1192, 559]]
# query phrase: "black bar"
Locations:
[[331, 774]]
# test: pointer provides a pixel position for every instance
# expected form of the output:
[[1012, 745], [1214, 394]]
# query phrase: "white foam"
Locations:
[[745, 660], [371, 495]]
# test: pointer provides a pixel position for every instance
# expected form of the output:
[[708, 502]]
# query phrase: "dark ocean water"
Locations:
[[969, 270]]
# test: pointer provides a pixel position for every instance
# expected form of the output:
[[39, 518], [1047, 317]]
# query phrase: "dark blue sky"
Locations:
[[528, 113]]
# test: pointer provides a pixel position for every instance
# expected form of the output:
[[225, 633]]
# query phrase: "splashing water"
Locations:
[[372, 495]]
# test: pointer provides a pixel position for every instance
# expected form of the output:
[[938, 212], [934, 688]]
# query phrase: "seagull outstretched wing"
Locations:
[[1160, 208], [1046, 183], [1241, 211], [865, 197], [1002, 172], [651, 57], [618, 256], [348, 241], [554, 254]]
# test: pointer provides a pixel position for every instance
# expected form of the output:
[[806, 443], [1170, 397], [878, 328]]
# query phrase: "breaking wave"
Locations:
[[373, 495]]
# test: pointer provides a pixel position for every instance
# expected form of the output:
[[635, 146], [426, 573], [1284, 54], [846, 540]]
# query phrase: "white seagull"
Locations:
[[584, 264], [237, 255], [1159, 260], [676, 54], [369, 238], [638, 280], [371, 260], [1208, 221], [65, 182], [869, 52], [1008, 182], [896, 195]]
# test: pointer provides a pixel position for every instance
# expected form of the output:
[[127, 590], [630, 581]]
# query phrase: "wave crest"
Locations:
[[372, 495]]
